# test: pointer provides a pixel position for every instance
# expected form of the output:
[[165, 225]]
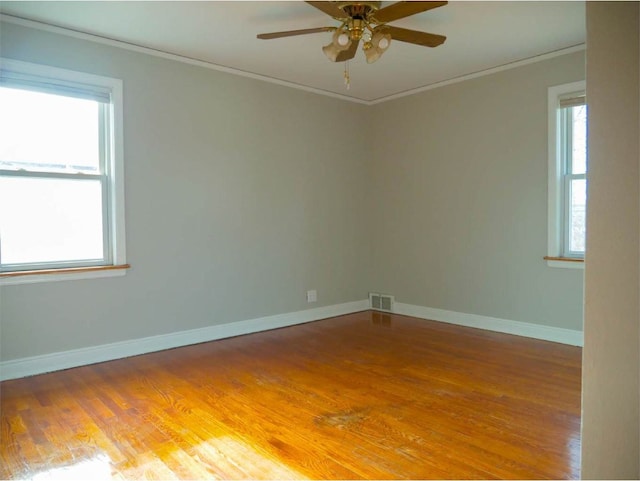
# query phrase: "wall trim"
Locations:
[[212, 66], [57, 361], [525, 329], [29, 366]]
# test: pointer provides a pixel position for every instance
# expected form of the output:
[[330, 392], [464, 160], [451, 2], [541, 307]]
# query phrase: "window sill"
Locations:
[[564, 262], [69, 274]]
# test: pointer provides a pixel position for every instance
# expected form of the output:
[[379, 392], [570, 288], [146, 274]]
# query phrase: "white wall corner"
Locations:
[[525, 329], [29, 366]]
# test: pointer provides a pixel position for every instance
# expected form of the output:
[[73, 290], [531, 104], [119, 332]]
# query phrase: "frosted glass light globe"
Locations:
[[343, 39]]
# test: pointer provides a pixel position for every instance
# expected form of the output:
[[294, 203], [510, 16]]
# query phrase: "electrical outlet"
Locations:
[[312, 295]]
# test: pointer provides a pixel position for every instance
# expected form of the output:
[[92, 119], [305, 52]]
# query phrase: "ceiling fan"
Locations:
[[368, 22]]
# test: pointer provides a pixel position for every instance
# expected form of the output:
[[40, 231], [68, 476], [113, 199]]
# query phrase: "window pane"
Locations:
[[46, 132], [49, 220], [579, 140], [577, 222]]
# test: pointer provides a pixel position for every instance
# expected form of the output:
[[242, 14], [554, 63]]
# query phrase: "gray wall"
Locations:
[[611, 362], [460, 198], [240, 196]]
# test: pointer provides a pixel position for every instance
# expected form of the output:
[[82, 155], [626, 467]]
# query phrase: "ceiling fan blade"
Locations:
[[413, 36], [399, 10], [330, 8], [349, 53], [291, 33]]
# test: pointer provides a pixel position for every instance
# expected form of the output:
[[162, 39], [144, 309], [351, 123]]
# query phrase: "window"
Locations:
[[61, 179], [567, 174]]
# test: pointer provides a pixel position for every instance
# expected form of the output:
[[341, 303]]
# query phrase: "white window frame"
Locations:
[[113, 177], [557, 189]]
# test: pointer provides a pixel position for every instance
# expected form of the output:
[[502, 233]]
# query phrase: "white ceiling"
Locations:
[[480, 36]]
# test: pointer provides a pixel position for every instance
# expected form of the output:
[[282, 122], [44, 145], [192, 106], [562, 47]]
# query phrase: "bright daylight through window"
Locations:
[[573, 121], [567, 171], [61, 187]]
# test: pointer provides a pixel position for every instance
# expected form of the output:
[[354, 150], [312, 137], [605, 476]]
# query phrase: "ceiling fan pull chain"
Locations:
[[347, 78]]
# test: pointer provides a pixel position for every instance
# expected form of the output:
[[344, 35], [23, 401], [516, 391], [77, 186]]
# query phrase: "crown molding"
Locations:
[[482, 73], [221, 68], [167, 55]]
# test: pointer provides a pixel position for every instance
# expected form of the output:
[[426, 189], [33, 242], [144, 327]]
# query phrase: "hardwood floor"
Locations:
[[367, 395]]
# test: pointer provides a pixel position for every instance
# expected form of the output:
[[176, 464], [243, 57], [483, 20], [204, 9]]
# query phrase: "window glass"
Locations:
[[579, 140], [56, 220], [577, 214], [46, 132]]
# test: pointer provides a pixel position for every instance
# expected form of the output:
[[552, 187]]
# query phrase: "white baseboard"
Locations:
[[56, 361], [107, 352], [536, 331]]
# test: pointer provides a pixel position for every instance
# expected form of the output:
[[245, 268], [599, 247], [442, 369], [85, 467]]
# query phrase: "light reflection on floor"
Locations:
[[205, 461], [574, 446], [95, 469]]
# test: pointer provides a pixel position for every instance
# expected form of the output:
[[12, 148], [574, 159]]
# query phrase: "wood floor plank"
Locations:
[[366, 395]]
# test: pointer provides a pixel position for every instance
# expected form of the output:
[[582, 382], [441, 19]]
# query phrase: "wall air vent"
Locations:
[[381, 302]]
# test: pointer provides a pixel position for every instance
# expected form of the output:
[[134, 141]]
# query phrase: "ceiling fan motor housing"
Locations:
[[359, 9], [358, 14]]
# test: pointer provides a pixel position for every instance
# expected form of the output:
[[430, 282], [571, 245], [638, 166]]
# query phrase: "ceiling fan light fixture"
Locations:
[[383, 44], [341, 40], [371, 53], [331, 51], [378, 45], [381, 40]]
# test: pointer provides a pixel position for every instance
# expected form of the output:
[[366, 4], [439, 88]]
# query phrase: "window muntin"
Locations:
[[61, 186]]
